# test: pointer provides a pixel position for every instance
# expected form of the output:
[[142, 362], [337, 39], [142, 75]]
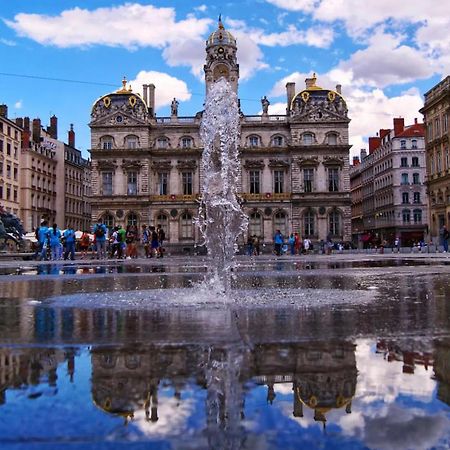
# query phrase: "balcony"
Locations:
[[174, 198], [267, 197]]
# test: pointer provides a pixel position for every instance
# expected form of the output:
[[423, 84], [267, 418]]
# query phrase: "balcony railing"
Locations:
[[174, 198], [268, 196]]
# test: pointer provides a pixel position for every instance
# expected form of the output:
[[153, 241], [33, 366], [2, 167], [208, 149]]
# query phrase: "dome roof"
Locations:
[[123, 99], [221, 36]]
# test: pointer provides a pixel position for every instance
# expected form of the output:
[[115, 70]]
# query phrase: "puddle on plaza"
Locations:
[[328, 357]]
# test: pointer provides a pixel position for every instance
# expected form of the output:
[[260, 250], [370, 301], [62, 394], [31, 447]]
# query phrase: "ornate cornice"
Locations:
[[254, 164], [187, 164]]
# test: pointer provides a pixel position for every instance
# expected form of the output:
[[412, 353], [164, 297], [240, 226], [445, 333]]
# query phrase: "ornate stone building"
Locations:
[[295, 167], [436, 113]]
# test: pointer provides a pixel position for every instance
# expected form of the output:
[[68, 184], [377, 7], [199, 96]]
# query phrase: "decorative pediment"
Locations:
[[319, 114], [278, 163], [254, 164], [190, 164], [128, 164], [119, 118], [312, 161], [107, 164], [319, 107], [161, 166], [333, 161]]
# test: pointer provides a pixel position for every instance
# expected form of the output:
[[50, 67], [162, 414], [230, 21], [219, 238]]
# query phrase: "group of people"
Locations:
[[294, 244], [55, 244]]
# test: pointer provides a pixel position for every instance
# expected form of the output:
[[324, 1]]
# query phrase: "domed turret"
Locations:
[[127, 104], [221, 61]]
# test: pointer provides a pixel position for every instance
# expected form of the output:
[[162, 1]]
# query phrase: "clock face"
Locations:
[[220, 50]]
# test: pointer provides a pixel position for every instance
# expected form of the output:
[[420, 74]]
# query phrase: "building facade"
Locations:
[[10, 142], [295, 167], [388, 188], [436, 113]]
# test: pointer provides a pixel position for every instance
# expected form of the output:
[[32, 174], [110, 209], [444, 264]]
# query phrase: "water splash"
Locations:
[[221, 219]]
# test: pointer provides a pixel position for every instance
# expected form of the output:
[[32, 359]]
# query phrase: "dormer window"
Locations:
[[307, 138], [162, 142], [131, 141], [277, 141], [332, 139], [106, 142], [186, 142]]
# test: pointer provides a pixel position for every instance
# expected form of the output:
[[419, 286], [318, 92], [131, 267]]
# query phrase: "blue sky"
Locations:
[[385, 59]]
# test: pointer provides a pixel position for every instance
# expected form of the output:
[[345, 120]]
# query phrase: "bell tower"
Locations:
[[221, 58]]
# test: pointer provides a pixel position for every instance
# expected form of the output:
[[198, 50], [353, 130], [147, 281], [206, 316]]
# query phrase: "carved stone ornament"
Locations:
[[319, 106], [308, 161], [161, 166], [128, 164], [187, 164], [107, 164], [254, 164], [278, 163], [333, 161], [126, 106]]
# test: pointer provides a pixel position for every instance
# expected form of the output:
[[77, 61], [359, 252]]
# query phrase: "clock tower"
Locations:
[[221, 58]]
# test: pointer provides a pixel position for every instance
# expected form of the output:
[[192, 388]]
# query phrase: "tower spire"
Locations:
[[221, 27]]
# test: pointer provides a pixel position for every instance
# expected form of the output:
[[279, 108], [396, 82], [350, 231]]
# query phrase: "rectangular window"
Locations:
[[162, 143], [8, 149], [254, 141], [15, 173], [405, 197], [132, 185], [107, 183], [437, 127], [1, 145], [308, 180], [416, 197], [15, 195], [417, 216], [404, 162], [403, 144], [438, 162], [1, 168], [255, 182], [8, 193], [163, 182], [416, 178], [278, 181], [309, 224], [404, 178], [8, 171], [186, 180], [445, 123], [333, 180], [406, 216], [415, 161], [186, 142]]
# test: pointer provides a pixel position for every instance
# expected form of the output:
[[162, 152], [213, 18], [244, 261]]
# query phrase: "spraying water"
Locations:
[[221, 219]]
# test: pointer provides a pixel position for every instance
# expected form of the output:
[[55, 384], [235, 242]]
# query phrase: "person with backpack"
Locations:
[[85, 241], [100, 232], [69, 243]]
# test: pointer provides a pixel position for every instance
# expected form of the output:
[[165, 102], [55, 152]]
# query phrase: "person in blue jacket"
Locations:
[[54, 236], [69, 242], [278, 241], [100, 232], [42, 236]]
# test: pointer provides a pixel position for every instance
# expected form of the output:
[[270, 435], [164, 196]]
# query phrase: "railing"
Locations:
[[268, 196], [174, 198]]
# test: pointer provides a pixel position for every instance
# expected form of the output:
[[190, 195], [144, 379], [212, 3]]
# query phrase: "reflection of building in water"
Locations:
[[30, 367], [126, 380], [442, 370], [411, 357]]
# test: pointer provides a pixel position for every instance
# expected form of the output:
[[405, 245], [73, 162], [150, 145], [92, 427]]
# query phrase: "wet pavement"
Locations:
[[347, 351]]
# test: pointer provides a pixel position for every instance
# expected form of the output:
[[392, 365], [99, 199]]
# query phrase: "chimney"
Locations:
[[151, 99], [310, 82], [415, 120], [356, 160], [399, 125], [26, 133], [339, 89], [26, 123], [19, 122], [52, 130], [290, 92], [363, 154], [4, 111], [145, 93], [37, 130], [374, 143], [71, 136], [384, 132]]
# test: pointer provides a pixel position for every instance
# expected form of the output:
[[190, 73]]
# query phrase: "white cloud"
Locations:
[[131, 25], [201, 8], [18, 104], [167, 87], [369, 108], [8, 42], [250, 56], [190, 52]]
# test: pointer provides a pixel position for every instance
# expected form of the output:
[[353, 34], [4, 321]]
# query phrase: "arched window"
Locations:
[[162, 142], [186, 226], [309, 223], [131, 141], [280, 223], [332, 139], [163, 220], [254, 141], [106, 142], [414, 143], [255, 224], [186, 142], [334, 223], [132, 219], [108, 220], [278, 141], [307, 138], [406, 215]]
